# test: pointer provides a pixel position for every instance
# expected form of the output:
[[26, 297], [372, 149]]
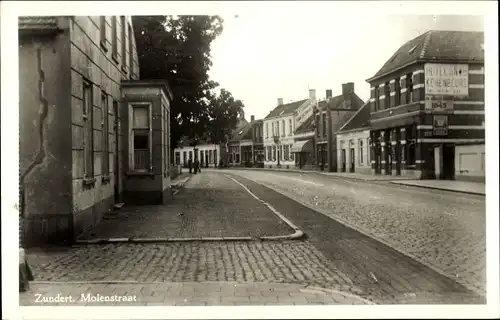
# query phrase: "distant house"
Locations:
[[86, 125], [233, 148], [207, 153], [304, 143], [353, 140], [279, 128], [251, 143], [427, 108], [330, 115]]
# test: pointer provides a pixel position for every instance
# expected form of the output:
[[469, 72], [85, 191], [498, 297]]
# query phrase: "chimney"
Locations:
[[347, 88], [328, 93], [252, 118], [280, 101], [312, 94]]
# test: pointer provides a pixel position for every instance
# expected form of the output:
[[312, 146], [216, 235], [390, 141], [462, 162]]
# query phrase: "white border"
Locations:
[[10, 158]]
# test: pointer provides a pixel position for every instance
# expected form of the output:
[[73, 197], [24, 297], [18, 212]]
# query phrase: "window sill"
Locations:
[[104, 46], [114, 56], [105, 179], [88, 181], [140, 173]]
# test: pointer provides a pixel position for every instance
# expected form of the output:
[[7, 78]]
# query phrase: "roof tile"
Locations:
[[285, 109]]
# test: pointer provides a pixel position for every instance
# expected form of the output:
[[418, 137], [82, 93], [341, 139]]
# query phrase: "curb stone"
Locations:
[[439, 188]]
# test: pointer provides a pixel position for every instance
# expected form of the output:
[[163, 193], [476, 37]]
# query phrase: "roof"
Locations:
[[38, 24], [285, 109], [359, 120], [436, 45], [306, 126], [248, 133], [337, 102], [240, 133]]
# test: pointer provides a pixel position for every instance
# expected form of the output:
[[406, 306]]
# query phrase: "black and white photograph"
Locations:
[[282, 154]]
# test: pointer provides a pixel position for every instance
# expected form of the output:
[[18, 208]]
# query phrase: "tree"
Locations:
[[177, 49], [224, 111]]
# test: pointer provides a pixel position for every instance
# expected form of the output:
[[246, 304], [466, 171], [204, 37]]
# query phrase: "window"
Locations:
[[114, 40], [102, 30], [141, 140], [272, 129], [291, 153], [177, 158], [361, 151], [105, 134], [368, 154], [397, 89], [274, 153], [377, 98], [323, 116], [409, 88], [215, 156], [290, 132], [286, 152], [123, 39], [237, 158], [277, 128], [184, 157], [267, 130], [283, 128], [130, 51], [387, 101], [88, 141]]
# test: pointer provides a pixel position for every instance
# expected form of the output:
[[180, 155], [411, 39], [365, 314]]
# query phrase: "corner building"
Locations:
[[427, 108]]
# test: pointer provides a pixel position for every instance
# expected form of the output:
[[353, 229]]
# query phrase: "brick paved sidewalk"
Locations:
[[210, 205], [470, 187], [182, 294]]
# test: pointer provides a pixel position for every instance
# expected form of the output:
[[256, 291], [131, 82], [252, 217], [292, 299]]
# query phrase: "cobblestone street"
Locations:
[[443, 229], [332, 257]]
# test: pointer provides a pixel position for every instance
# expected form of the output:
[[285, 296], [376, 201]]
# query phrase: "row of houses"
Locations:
[[424, 119]]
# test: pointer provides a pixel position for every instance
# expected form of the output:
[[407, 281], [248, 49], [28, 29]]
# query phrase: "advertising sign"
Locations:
[[440, 126], [433, 105], [446, 79]]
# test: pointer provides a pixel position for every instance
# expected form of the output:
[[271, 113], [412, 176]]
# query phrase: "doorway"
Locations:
[[353, 161], [448, 162], [343, 160], [398, 159]]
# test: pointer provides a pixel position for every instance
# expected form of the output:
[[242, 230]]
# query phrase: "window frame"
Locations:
[[149, 107], [377, 98], [397, 89], [290, 127], [123, 22], [102, 30], [324, 124], [88, 129], [409, 88], [105, 166], [360, 148], [283, 131], [387, 95], [114, 39], [130, 51]]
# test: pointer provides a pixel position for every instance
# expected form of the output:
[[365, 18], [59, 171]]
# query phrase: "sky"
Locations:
[[260, 58]]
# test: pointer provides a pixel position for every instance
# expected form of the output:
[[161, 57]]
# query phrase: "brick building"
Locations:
[[427, 99], [331, 114], [81, 139]]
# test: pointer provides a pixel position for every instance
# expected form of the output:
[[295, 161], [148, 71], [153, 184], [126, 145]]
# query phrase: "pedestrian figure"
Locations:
[[198, 166], [190, 165]]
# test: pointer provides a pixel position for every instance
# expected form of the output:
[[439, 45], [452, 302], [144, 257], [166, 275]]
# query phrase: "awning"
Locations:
[[303, 146]]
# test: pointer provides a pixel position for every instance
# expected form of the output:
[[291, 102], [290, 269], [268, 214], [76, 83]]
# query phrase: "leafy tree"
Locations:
[[224, 111], [177, 49]]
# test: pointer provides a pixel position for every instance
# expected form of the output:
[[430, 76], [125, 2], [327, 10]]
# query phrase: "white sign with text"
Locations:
[[446, 79]]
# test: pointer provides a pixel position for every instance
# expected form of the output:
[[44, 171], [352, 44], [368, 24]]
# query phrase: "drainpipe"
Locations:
[[329, 137]]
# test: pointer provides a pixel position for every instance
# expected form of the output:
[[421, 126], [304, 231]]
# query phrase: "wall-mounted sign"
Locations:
[[433, 105], [440, 126], [446, 79]]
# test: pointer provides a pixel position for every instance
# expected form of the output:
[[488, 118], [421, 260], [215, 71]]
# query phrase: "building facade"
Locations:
[[427, 100], [353, 140], [208, 154], [75, 169], [304, 143], [251, 144], [279, 128], [330, 115]]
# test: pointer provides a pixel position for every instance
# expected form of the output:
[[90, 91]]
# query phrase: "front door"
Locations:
[[398, 159], [117, 153], [343, 160], [449, 162], [353, 161]]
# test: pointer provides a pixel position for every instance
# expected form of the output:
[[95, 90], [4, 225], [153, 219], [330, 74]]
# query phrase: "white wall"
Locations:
[[204, 147], [470, 161], [362, 164]]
